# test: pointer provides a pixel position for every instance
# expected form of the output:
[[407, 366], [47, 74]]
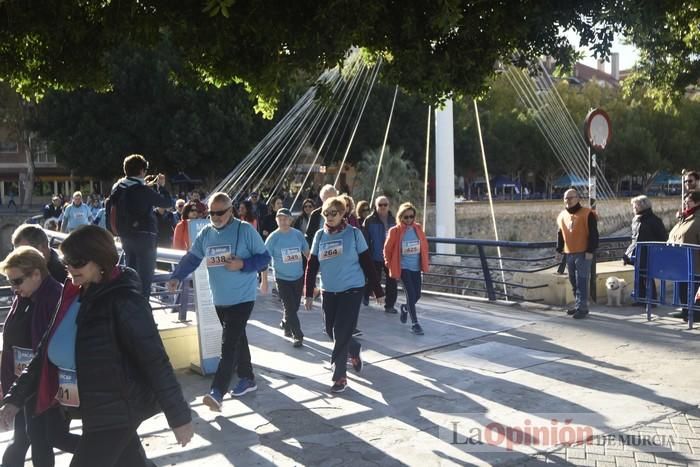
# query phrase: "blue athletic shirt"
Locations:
[[240, 240], [286, 249], [338, 258], [62, 344], [410, 250]]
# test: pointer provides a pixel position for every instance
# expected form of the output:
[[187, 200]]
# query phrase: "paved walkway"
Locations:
[[483, 378]]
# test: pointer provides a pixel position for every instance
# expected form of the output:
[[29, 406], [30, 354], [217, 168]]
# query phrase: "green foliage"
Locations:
[[432, 49], [398, 178], [199, 130]]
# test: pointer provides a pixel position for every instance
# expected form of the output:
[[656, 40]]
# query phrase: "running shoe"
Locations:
[[416, 329], [287, 331], [213, 400], [404, 314], [391, 310], [340, 385], [356, 363], [244, 386], [298, 342]]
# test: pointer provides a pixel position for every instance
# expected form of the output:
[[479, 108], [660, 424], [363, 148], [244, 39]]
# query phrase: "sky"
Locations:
[[628, 53]]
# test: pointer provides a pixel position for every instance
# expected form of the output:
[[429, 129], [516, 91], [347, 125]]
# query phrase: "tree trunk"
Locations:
[[27, 188]]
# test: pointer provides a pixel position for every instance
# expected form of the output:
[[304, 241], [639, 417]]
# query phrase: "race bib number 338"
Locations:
[[329, 250], [218, 255]]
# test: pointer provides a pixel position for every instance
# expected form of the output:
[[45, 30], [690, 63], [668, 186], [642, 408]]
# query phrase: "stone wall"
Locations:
[[532, 221]]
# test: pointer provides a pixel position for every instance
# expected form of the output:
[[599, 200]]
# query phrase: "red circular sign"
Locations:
[[598, 129]]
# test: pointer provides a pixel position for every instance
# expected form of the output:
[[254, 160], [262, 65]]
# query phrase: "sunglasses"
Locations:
[[307, 206], [408, 217], [17, 281], [383, 205], [330, 213], [74, 263], [219, 213]]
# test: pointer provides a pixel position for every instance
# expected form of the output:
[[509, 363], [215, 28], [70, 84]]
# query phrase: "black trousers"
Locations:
[[340, 311], [140, 252], [290, 294], [390, 288], [110, 448], [43, 432], [235, 353]]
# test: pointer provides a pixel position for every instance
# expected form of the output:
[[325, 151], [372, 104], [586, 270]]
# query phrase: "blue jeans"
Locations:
[[412, 287], [579, 275]]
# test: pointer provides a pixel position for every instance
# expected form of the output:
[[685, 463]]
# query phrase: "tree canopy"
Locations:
[[432, 48]]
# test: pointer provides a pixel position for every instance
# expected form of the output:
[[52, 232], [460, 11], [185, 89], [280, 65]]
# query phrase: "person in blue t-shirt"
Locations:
[[288, 246], [339, 251], [76, 214], [234, 253]]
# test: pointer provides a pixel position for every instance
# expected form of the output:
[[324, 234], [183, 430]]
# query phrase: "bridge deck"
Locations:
[[477, 363]]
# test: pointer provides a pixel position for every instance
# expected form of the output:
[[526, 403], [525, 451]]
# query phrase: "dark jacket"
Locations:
[[646, 227], [376, 234], [269, 225], [56, 267], [131, 194], [27, 333], [124, 374], [52, 211], [315, 223]]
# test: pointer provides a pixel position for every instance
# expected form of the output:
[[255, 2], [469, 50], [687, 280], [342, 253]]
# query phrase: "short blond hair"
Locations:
[[402, 210], [337, 203], [27, 259]]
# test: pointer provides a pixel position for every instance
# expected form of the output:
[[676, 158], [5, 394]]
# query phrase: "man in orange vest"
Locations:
[[577, 237]]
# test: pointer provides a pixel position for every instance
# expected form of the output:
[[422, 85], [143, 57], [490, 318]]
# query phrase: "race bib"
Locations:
[[218, 255], [68, 388], [410, 247], [291, 255], [330, 250], [22, 358]]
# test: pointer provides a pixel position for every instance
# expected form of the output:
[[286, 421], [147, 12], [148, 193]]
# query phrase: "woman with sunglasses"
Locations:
[[406, 256], [181, 236], [102, 359], [301, 223], [339, 251], [36, 295]]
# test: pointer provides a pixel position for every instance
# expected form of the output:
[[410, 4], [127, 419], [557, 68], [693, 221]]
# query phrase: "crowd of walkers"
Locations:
[[80, 341]]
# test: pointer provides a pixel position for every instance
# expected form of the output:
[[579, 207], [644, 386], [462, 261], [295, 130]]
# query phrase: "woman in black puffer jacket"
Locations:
[[102, 359]]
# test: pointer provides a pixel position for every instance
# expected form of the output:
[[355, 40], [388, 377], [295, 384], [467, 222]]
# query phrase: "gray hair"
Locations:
[[220, 197], [642, 202], [327, 191]]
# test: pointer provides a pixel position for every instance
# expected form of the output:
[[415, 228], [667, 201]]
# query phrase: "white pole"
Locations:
[[444, 178], [427, 167], [488, 187]]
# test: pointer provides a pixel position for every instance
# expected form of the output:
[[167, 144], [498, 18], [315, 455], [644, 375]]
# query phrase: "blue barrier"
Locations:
[[666, 263]]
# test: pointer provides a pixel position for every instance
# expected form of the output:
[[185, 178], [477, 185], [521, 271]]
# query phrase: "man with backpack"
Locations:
[[130, 216]]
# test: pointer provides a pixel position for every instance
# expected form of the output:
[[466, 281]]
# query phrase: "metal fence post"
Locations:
[[488, 282], [593, 279]]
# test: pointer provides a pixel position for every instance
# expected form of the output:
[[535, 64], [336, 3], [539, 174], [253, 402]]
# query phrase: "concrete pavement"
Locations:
[[438, 399]]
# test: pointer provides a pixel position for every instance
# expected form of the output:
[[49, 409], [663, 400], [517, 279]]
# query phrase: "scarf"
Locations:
[[339, 228], [688, 212]]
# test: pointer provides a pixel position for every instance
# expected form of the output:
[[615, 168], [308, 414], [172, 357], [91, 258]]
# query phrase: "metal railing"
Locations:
[[474, 271], [478, 270]]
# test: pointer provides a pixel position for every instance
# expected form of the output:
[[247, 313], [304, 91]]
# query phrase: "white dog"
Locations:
[[615, 287]]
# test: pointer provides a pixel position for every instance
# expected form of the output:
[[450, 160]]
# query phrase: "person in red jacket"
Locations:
[[181, 237], [406, 256]]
